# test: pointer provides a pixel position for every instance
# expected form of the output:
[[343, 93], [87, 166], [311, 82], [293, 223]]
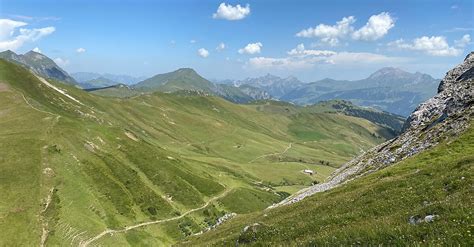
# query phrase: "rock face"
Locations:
[[39, 64], [445, 115]]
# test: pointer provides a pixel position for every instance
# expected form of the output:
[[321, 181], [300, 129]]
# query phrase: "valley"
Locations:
[[100, 163], [241, 123]]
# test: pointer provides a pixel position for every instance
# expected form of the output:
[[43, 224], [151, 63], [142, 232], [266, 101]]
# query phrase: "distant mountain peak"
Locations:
[[388, 71]]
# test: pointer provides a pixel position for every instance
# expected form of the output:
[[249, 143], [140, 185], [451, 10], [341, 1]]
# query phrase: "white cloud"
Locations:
[[7, 28], [80, 50], [330, 34], [61, 62], [252, 48], [9, 40], [231, 13], [434, 46], [203, 53], [300, 58], [193, 41], [220, 47], [36, 49], [464, 41], [377, 27], [454, 6], [301, 51]]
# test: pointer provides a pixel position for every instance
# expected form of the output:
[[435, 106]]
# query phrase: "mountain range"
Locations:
[[388, 89]]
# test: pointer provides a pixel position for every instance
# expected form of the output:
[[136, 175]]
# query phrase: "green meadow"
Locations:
[[75, 164]]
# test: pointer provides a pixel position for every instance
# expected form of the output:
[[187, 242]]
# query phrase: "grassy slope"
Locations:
[[75, 170], [374, 209]]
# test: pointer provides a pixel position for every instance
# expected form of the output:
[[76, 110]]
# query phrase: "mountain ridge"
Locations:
[[40, 64]]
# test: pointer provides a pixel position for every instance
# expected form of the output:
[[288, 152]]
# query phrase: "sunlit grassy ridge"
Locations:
[[375, 209], [71, 170]]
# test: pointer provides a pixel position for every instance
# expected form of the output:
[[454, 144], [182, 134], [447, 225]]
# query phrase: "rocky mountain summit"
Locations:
[[39, 64], [445, 115]]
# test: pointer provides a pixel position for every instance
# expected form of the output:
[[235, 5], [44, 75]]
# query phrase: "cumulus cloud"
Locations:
[[203, 53], [252, 48], [231, 13], [434, 45], [61, 62], [12, 40], [220, 47], [7, 27], [375, 28], [330, 34], [301, 58], [36, 49], [80, 50], [464, 41], [301, 51]]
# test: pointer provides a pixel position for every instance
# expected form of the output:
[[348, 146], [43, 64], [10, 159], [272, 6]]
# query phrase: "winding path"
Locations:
[[111, 232], [266, 155]]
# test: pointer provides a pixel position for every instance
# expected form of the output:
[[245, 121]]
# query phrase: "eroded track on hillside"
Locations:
[[111, 231]]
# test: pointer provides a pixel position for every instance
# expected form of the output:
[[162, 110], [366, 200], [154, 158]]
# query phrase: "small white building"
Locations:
[[308, 171]]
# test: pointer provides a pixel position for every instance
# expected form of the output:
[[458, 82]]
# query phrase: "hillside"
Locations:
[[414, 189], [117, 91], [40, 64], [424, 200], [392, 122], [75, 164], [181, 79]]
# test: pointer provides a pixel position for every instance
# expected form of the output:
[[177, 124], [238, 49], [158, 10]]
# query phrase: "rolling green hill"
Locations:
[[186, 79], [117, 91], [181, 79], [424, 200], [81, 169], [392, 122]]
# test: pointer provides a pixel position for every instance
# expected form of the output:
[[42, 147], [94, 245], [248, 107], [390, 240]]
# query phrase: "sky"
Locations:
[[311, 40]]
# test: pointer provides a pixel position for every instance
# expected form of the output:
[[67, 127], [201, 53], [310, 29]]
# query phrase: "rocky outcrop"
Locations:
[[445, 115]]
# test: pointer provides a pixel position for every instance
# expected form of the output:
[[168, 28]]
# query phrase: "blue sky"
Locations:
[[308, 39]]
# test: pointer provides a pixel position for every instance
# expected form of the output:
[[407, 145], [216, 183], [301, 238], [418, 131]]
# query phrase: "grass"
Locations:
[[375, 209], [116, 162]]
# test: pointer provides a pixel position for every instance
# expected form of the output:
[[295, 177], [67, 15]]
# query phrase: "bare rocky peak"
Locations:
[[453, 96]]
